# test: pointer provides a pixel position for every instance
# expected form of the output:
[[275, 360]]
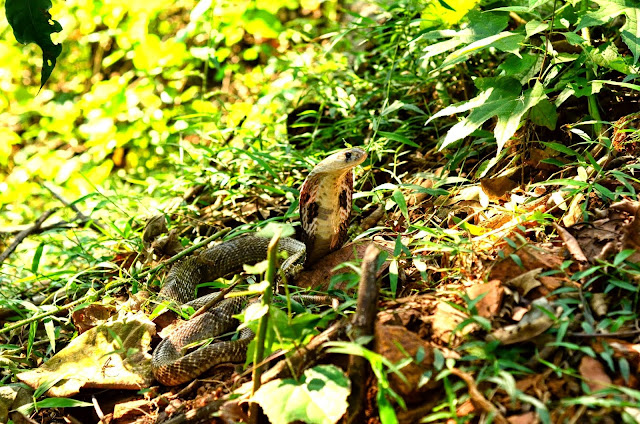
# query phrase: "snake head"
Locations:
[[340, 162], [325, 202]]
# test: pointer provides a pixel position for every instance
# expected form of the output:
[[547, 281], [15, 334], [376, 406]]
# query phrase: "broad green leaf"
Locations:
[[319, 398], [481, 26], [262, 23], [535, 27], [621, 256], [535, 3], [447, 13], [505, 41], [508, 120], [498, 97], [32, 23], [604, 192], [610, 9], [607, 56], [544, 114]]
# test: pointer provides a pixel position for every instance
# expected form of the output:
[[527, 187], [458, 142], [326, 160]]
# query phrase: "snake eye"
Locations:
[[347, 156]]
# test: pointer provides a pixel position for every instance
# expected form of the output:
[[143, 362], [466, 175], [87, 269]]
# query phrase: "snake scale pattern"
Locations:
[[325, 206]]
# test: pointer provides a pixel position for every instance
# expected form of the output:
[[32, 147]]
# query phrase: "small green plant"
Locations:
[[36, 405]]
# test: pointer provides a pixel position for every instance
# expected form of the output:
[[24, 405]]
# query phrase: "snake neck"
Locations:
[[325, 203]]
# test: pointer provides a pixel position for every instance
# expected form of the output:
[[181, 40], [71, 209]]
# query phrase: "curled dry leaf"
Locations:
[[167, 246], [526, 282], [533, 323], [628, 206], [571, 243], [531, 259], [155, 226], [599, 304], [91, 315]]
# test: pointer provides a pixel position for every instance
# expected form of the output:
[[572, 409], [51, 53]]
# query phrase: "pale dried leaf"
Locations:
[[95, 359]]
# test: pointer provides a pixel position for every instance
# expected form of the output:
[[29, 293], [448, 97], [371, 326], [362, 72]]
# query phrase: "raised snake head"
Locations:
[[325, 202]]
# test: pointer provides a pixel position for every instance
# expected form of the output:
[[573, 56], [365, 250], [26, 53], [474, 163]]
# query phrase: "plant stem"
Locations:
[[258, 355]]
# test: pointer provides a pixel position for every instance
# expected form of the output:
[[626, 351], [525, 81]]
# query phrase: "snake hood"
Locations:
[[325, 202]]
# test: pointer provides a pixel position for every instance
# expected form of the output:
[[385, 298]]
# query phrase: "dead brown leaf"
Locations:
[[490, 304], [531, 258], [392, 342], [571, 243], [445, 321], [594, 374], [412, 312], [91, 315], [127, 411], [155, 226], [631, 238], [318, 276], [167, 246], [533, 323], [526, 282], [526, 418], [496, 188]]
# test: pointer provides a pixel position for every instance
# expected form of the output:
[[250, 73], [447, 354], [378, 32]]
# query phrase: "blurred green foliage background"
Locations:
[[135, 81]]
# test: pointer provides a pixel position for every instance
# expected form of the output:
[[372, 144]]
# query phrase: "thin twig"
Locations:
[[362, 326], [216, 299], [79, 215], [24, 234], [62, 224], [629, 333], [478, 400]]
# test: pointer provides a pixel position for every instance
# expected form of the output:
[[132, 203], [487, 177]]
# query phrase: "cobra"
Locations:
[[325, 207]]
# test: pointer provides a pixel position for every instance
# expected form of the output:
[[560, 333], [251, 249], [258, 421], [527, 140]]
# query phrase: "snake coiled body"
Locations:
[[325, 206]]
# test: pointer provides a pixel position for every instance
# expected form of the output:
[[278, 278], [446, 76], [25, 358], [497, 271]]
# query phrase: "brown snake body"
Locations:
[[325, 206]]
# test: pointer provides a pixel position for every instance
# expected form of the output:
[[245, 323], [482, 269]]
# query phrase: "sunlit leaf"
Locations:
[[319, 398]]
